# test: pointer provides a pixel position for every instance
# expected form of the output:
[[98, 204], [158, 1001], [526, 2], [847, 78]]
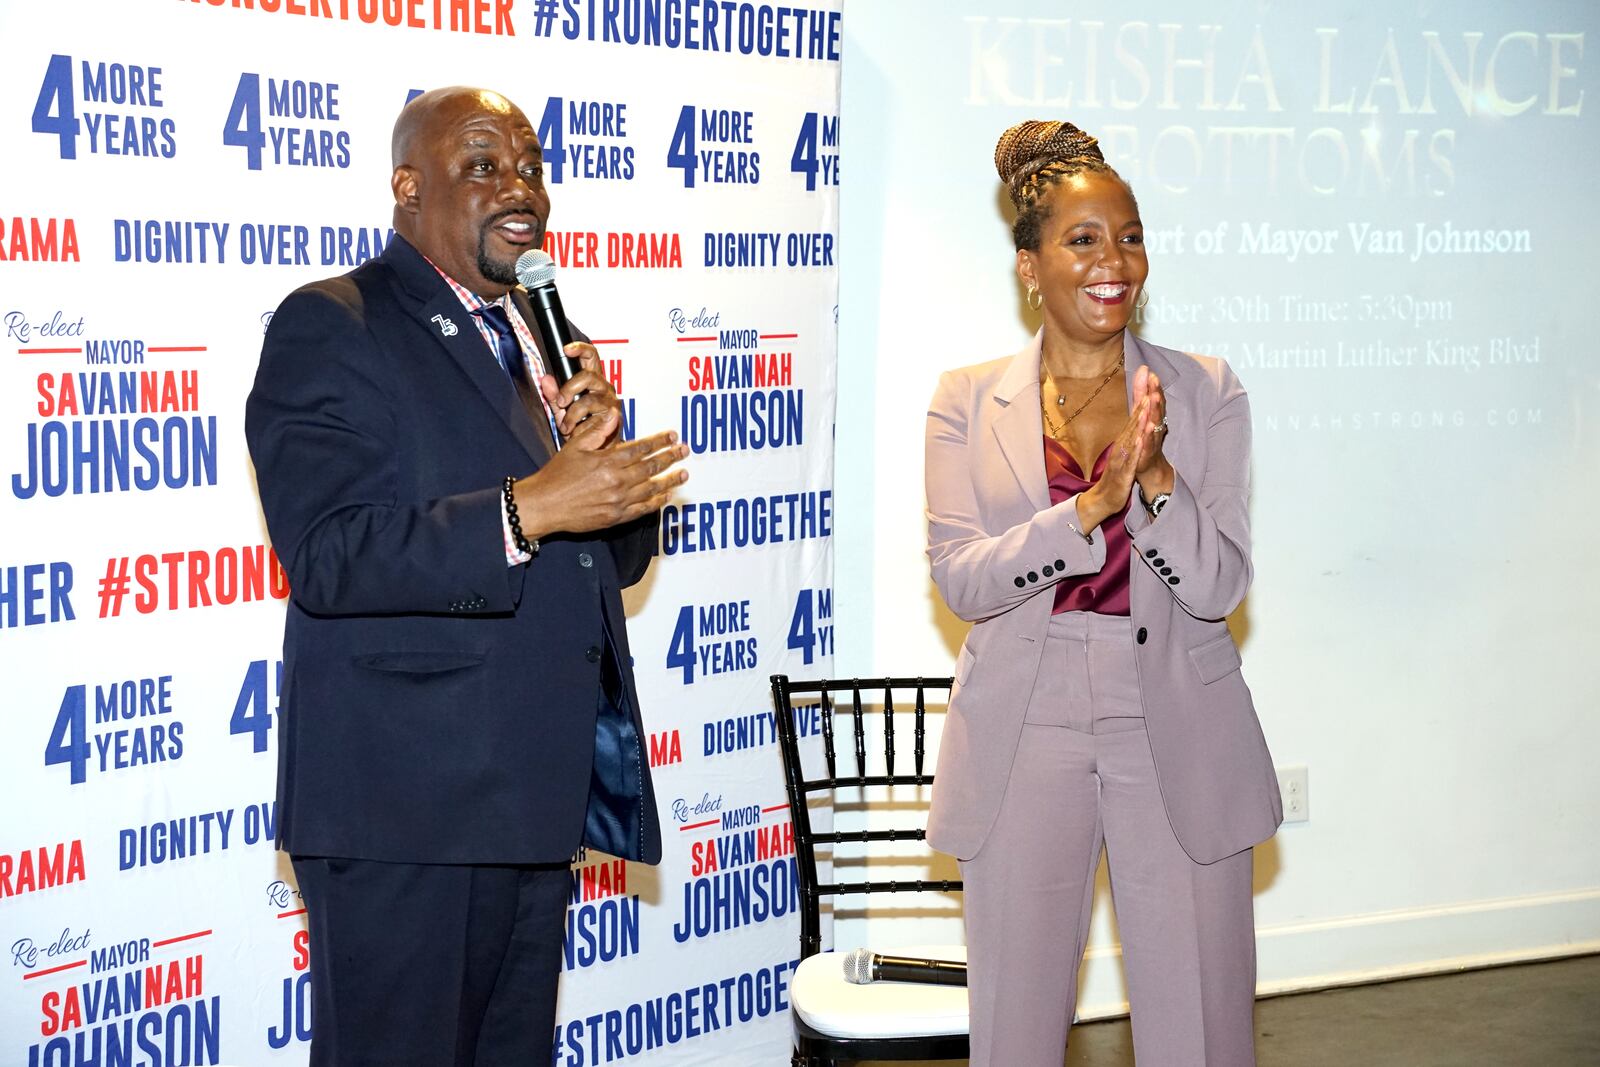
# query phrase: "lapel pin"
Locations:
[[446, 326]]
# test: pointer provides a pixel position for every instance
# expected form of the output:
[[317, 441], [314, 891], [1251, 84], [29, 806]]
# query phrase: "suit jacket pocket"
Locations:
[[1215, 659], [444, 661]]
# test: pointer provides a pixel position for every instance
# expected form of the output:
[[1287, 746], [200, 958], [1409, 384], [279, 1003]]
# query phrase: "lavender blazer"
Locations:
[[992, 534]]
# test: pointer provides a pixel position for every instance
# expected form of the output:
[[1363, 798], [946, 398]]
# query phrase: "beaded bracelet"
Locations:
[[525, 546]]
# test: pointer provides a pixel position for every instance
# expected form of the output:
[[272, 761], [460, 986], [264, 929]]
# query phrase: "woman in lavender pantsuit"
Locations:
[[1087, 512]]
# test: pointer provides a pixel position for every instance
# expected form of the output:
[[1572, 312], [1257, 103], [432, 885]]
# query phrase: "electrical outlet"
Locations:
[[1293, 786]]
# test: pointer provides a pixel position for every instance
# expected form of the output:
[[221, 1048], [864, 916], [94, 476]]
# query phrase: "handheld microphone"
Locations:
[[537, 273], [862, 966]]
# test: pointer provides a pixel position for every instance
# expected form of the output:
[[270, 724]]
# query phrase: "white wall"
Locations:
[[1420, 630]]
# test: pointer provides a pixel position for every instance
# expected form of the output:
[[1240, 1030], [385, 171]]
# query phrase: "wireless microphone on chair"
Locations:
[[862, 966]]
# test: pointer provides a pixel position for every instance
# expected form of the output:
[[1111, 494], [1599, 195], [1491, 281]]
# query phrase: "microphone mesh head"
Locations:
[[858, 966], [535, 268]]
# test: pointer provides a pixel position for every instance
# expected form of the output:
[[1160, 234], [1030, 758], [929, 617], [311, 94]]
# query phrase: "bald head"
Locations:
[[469, 185], [420, 115]]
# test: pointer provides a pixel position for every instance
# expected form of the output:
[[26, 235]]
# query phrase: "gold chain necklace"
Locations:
[[1061, 399]]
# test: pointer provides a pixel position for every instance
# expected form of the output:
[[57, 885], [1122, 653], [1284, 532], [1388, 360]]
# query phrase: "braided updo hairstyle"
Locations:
[[1032, 158]]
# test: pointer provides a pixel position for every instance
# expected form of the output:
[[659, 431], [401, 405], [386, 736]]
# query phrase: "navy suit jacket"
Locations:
[[438, 706]]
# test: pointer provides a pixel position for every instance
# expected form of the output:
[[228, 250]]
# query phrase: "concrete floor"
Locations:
[[1531, 1015]]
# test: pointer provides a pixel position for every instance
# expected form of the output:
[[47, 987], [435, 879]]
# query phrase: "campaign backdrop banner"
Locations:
[[173, 171]]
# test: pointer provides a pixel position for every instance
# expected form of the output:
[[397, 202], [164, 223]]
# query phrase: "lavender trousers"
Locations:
[[1084, 777]]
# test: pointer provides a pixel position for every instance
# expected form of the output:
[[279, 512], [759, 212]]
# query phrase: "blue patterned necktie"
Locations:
[[509, 352], [506, 348]]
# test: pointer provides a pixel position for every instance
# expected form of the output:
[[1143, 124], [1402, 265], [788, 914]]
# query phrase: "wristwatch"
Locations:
[[1154, 506]]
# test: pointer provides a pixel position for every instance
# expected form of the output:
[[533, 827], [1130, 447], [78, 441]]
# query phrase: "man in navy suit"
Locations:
[[459, 714]]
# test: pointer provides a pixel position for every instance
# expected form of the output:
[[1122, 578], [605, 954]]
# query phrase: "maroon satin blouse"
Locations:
[[1105, 593]]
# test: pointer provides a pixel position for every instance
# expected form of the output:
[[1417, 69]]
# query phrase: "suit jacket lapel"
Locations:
[[439, 312], [1178, 388], [1139, 353], [1018, 428]]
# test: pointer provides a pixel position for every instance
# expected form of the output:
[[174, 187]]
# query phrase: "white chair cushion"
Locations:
[[830, 1005]]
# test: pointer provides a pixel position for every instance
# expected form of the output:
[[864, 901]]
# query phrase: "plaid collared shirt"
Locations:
[[530, 352]]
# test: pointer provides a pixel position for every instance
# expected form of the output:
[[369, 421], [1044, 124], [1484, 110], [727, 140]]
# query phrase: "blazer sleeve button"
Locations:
[[1151, 554], [1018, 582], [1173, 580], [1033, 576], [1141, 635], [1061, 564], [1166, 570], [1048, 570], [1159, 562]]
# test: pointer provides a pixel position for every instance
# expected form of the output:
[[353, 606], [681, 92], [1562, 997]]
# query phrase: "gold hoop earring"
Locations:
[[1144, 298], [1035, 299]]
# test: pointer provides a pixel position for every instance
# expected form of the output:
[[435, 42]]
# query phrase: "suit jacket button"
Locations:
[[1033, 576], [1061, 565], [1150, 554], [1172, 581], [1141, 635], [592, 654], [1019, 582], [1166, 570], [1048, 570], [1159, 562], [585, 560]]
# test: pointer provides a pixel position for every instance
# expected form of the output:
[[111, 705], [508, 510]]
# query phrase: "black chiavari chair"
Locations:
[[834, 1021]]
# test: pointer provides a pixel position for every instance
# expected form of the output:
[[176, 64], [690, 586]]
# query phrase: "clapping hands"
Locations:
[[1136, 456]]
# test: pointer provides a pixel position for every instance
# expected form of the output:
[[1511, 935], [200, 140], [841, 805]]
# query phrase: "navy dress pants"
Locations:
[[419, 965]]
